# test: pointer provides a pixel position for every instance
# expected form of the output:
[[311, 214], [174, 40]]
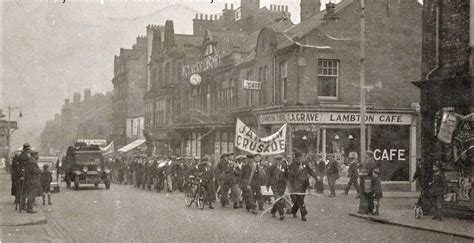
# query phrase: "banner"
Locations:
[[247, 140], [108, 150]]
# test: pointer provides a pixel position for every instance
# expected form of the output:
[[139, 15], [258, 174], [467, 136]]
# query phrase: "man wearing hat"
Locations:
[[332, 174], [251, 176], [17, 172], [32, 181], [276, 179], [227, 180], [298, 176], [353, 174]]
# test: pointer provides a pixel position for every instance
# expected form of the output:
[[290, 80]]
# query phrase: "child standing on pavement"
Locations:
[[376, 192], [46, 179], [438, 189]]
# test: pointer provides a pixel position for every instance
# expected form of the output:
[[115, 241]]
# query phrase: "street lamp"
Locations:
[[10, 130]]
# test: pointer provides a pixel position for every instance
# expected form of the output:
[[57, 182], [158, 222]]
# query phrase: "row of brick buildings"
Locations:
[[86, 118], [185, 91]]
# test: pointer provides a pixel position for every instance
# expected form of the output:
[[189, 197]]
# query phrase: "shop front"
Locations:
[[391, 135]]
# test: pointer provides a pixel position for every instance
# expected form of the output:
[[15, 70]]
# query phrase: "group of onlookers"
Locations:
[[28, 180]]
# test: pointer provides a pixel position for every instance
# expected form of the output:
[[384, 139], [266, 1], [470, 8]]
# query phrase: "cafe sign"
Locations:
[[309, 117], [252, 85], [207, 63]]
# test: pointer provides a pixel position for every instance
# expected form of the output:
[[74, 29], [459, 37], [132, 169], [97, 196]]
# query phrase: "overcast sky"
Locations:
[[51, 50]]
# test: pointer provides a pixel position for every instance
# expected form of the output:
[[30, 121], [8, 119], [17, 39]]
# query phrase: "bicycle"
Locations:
[[194, 192]]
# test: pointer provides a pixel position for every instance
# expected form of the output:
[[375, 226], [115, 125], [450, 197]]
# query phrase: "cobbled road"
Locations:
[[127, 214]]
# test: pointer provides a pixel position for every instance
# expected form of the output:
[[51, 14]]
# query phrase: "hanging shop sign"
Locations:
[[208, 62], [252, 85], [247, 140], [309, 117], [447, 127]]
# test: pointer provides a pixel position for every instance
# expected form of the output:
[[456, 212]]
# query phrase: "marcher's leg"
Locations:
[[294, 209], [43, 196], [439, 207], [303, 210], [49, 199], [434, 205], [225, 185], [356, 185]]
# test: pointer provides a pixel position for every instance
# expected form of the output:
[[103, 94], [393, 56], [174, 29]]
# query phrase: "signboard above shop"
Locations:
[[252, 85], [99, 142], [327, 117]]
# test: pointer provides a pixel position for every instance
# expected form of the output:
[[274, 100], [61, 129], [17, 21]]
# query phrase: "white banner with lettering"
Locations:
[[247, 140]]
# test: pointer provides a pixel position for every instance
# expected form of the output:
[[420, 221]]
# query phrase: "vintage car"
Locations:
[[85, 164], [53, 163]]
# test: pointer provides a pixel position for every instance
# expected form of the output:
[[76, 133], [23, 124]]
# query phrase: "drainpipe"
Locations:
[[437, 45]]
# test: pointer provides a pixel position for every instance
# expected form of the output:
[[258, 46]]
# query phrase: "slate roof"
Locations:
[[303, 28]]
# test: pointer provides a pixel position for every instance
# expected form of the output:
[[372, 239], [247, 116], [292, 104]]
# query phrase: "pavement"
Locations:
[[8, 215], [406, 218]]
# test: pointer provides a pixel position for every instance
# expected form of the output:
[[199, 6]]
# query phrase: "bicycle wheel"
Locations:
[[189, 196], [200, 198]]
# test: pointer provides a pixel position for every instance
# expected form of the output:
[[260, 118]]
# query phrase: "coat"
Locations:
[[277, 177], [376, 186], [45, 180], [32, 178], [332, 168], [438, 185], [298, 176]]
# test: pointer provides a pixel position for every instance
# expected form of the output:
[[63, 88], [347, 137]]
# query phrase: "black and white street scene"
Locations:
[[237, 121]]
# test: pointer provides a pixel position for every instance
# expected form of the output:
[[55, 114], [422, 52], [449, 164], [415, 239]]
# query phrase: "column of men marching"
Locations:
[[243, 180]]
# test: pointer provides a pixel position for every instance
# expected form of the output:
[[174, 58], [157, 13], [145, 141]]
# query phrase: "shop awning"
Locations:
[[131, 145]]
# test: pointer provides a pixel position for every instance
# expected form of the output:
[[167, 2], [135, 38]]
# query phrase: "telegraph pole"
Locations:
[[362, 82]]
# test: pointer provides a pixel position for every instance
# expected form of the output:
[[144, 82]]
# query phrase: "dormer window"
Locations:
[[209, 50]]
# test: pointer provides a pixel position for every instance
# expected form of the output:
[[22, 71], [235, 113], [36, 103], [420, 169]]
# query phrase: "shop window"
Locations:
[[328, 76], [390, 145]]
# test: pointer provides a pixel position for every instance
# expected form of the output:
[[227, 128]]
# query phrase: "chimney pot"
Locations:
[[231, 6], [206, 16], [196, 17], [278, 8], [286, 9], [225, 6], [200, 16]]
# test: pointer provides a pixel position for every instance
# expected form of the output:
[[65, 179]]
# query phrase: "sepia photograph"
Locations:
[[237, 121]]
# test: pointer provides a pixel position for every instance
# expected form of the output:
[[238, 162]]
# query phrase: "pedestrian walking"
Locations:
[[227, 181], [438, 189], [332, 173], [251, 176], [320, 173], [45, 180], [298, 177], [353, 174]]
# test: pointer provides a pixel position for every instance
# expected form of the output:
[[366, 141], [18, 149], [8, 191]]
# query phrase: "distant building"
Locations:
[[130, 83], [82, 119]]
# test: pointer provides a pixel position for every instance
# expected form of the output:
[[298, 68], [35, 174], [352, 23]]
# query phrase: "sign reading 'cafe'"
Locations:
[[308, 117]]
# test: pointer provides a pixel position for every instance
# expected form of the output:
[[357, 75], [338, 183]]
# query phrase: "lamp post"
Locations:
[[10, 130], [362, 82]]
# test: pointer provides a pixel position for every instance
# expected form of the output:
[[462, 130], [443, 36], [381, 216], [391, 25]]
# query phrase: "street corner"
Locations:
[[404, 218]]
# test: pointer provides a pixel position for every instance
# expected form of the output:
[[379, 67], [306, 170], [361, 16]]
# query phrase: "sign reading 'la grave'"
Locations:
[[335, 118]]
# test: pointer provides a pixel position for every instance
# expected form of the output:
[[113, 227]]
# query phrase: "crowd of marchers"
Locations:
[[249, 181]]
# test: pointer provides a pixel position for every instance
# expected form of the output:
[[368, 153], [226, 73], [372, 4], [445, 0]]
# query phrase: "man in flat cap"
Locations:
[[227, 180], [32, 181], [276, 179]]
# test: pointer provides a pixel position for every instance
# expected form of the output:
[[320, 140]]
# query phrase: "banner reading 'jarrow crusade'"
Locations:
[[247, 140]]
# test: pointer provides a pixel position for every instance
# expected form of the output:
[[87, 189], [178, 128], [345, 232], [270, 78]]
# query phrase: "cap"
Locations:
[[224, 155], [45, 166], [279, 156], [26, 146], [33, 152], [240, 157], [376, 171], [336, 137], [351, 137], [250, 155]]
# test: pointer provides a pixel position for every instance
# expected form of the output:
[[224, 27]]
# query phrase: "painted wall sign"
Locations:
[[390, 154], [247, 140], [252, 85], [308, 117], [208, 62]]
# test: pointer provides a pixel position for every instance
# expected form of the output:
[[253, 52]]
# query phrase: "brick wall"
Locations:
[[454, 38]]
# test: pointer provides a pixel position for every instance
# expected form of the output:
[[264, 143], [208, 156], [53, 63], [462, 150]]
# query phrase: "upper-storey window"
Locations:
[[283, 80], [328, 76]]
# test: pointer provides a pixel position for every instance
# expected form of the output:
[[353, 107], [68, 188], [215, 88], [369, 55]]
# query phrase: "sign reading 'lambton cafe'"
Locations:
[[335, 118]]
